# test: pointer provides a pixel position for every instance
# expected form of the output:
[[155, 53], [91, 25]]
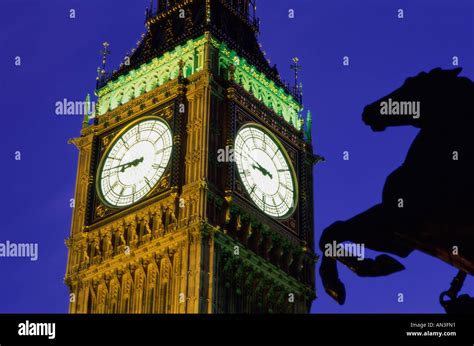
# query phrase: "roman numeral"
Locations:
[[285, 186], [125, 144], [148, 182], [254, 143], [253, 188], [246, 144], [283, 200], [162, 149]]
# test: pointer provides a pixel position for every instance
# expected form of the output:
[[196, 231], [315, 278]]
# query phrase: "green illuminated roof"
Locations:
[[161, 69]]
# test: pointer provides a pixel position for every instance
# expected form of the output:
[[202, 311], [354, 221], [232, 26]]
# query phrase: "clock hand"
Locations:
[[262, 170], [109, 169], [162, 149], [124, 166], [251, 158], [133, 163], [265, 172]]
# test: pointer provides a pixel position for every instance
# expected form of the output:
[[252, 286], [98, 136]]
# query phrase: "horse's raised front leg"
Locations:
[[373, 228], [330, 276]]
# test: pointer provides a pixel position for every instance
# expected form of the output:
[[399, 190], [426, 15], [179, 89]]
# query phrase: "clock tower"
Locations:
[[194, 188]]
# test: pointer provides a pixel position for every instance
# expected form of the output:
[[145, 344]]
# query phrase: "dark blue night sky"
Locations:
[[59, 60]]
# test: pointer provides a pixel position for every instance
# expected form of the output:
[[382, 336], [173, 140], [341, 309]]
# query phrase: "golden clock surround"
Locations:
[[109, 146], [288, 161]]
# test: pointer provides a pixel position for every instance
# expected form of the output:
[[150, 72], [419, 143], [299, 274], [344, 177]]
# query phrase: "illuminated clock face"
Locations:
[[135, 162], [265, 171]]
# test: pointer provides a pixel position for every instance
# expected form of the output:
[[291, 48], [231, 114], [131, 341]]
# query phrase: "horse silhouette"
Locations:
[[427, 202]]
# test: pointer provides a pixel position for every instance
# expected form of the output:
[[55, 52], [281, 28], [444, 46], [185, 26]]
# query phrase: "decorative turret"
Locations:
[[308, 126], [85, 121]]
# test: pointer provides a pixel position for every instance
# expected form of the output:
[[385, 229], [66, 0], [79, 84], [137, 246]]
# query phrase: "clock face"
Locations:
[[265, 171], [134, 162]]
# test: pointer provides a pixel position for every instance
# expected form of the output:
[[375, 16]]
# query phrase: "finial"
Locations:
[[98, 73], [208, 11], [149, 10], [105, 52], [296, 67]]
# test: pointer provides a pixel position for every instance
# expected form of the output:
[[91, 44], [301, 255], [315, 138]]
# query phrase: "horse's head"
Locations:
[[420, 99]]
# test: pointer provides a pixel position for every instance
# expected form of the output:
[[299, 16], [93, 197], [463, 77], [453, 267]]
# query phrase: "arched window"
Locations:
[[90, 301], [152, 282], [165, 286], [101, 298], [138, 294], [126, 291], [114, 291]]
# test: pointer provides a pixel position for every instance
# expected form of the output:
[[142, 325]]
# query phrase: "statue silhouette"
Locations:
[[428, 202]]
